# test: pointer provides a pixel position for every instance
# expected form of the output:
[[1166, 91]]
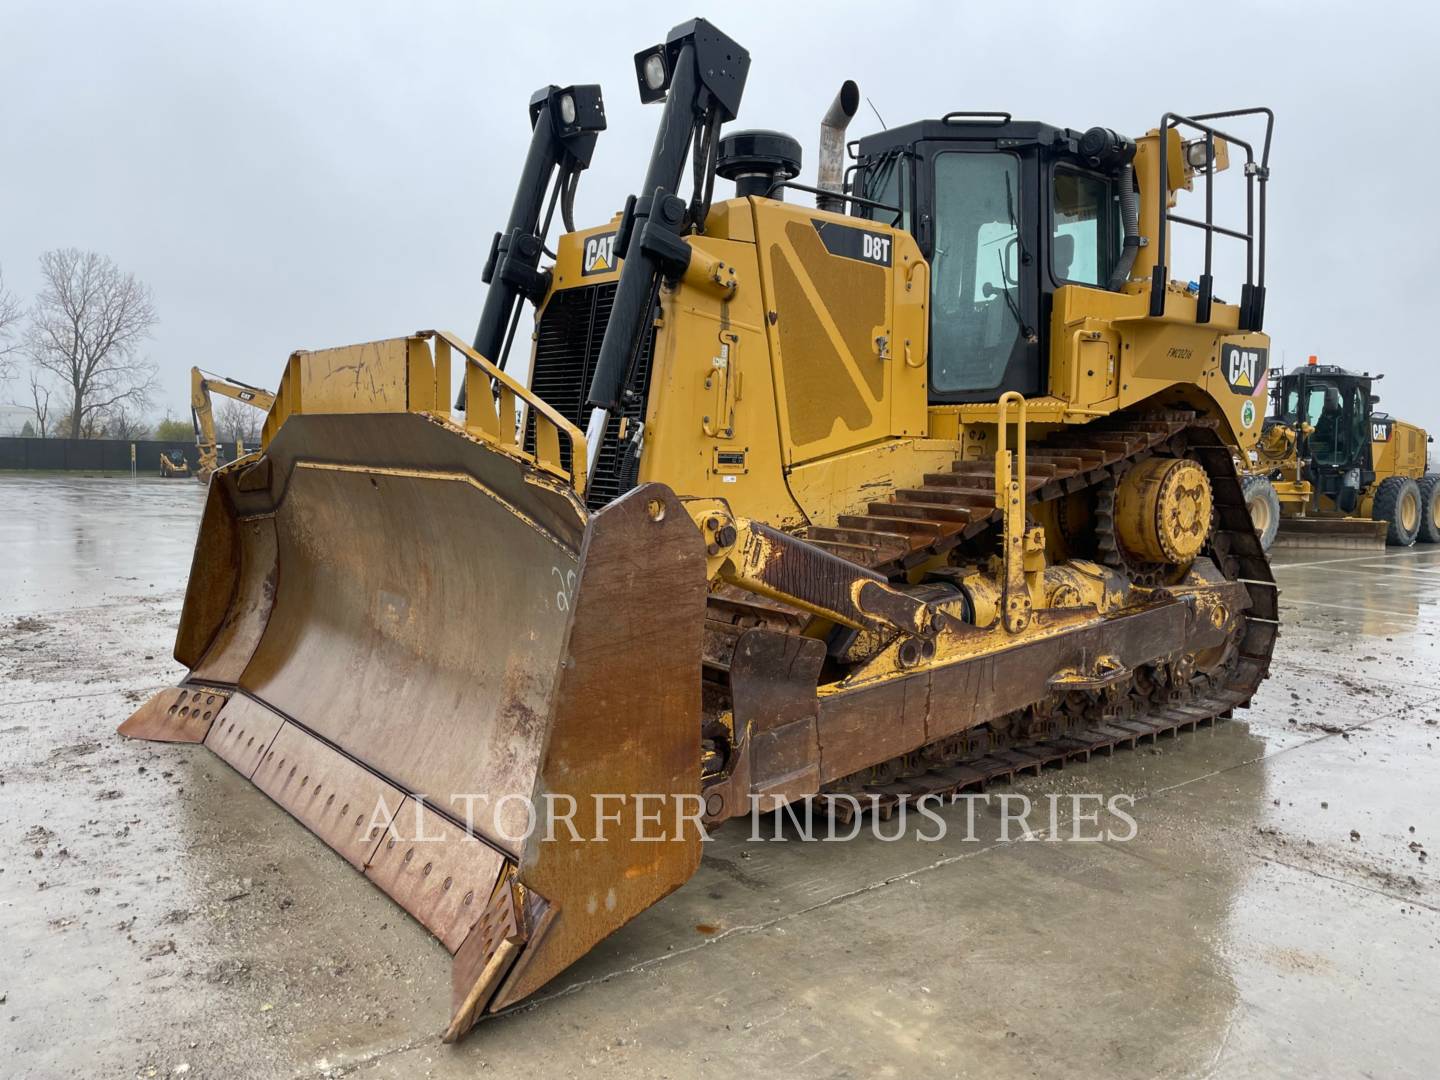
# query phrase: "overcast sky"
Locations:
[[289, 175]]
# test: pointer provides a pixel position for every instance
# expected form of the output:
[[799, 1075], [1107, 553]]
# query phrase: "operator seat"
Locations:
[[1062, 254]]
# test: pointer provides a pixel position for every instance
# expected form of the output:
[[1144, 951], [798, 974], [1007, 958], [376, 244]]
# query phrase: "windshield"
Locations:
[[1338, 417], [975, 295]]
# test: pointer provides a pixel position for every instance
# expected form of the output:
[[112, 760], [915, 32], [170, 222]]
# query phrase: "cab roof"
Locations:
[[973, 126], [1332, 370]]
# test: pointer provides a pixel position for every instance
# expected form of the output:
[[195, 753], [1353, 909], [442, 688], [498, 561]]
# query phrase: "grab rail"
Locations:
[[1011, 481], [490, 397], [412, 374]]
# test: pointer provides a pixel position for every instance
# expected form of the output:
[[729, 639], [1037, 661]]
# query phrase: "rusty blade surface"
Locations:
[[242, 732], [178, 714], [485, 957], [435, 872], [210, 587], [345, 805], [249, 612], [422, 605], [431, 632], [626, 723]]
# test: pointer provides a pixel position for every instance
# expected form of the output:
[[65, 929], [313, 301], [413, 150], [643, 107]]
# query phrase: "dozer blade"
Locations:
[[419, 644], [1359, 534]]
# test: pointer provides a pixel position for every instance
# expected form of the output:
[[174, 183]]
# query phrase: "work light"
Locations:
[[653, 74]]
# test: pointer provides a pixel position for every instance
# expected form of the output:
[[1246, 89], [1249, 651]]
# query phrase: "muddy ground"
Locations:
[[1276, 913]]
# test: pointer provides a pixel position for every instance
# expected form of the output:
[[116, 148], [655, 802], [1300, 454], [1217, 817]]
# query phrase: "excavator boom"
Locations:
[[202, 386]]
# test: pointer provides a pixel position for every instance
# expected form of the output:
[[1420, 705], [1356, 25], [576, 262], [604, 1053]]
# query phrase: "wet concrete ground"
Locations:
[[1276, 914]]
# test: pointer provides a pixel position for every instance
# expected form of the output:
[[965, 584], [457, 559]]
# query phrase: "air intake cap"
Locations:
[[1101, 148], [758, 160]]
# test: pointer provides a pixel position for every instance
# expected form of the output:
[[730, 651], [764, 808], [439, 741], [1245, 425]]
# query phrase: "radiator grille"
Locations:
[[567, 347]]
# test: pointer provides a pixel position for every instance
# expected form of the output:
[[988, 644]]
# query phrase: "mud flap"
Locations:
[[426, 647]]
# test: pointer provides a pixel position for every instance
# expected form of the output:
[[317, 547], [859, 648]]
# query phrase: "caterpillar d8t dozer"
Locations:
[[929, 482]]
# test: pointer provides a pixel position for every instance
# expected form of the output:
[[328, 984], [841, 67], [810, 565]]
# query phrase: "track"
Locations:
[[1031, 758], [957, 507]]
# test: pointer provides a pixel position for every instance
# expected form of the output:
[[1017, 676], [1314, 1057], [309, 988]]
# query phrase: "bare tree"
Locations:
[[238, 422], [10, 314], [40, 398], [86, 331], [121, 422]]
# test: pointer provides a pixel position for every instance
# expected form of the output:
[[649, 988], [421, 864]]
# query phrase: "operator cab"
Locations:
[[1006, 212], [1338, 405]]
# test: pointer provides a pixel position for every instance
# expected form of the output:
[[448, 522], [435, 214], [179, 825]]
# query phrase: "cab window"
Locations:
[[1084, 235], [1292, 405], [975, 284], [1339, 419], [1359, 420], [887, 181]]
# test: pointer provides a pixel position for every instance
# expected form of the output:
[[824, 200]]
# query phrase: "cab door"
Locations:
[[978, 221]]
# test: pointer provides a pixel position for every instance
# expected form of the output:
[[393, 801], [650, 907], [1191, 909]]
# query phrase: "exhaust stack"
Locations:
[[832, 146]]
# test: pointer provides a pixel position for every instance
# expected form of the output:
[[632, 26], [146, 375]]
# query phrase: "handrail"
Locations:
[[984, 116], [1252, 294], [490, 396], [1010, 493]]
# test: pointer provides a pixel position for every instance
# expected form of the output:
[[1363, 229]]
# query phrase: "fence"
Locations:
[[109, 455]]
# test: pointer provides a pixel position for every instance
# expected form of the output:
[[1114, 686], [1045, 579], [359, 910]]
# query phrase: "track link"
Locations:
[[1002, 764]]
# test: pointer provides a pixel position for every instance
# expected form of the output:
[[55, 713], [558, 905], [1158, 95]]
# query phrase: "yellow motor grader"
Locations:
[[1330, 471], [929, 482]]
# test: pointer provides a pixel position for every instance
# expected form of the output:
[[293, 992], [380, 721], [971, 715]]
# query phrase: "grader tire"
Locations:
[[1397, 501], [1429, 509], [1264, 506]]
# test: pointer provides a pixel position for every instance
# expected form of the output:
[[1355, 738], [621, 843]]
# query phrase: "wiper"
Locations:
[[1015, 228], [1027, 331]]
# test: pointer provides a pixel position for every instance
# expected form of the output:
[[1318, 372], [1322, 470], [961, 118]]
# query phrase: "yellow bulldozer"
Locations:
[[1330, 471], [928, 483], [202, 385]]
